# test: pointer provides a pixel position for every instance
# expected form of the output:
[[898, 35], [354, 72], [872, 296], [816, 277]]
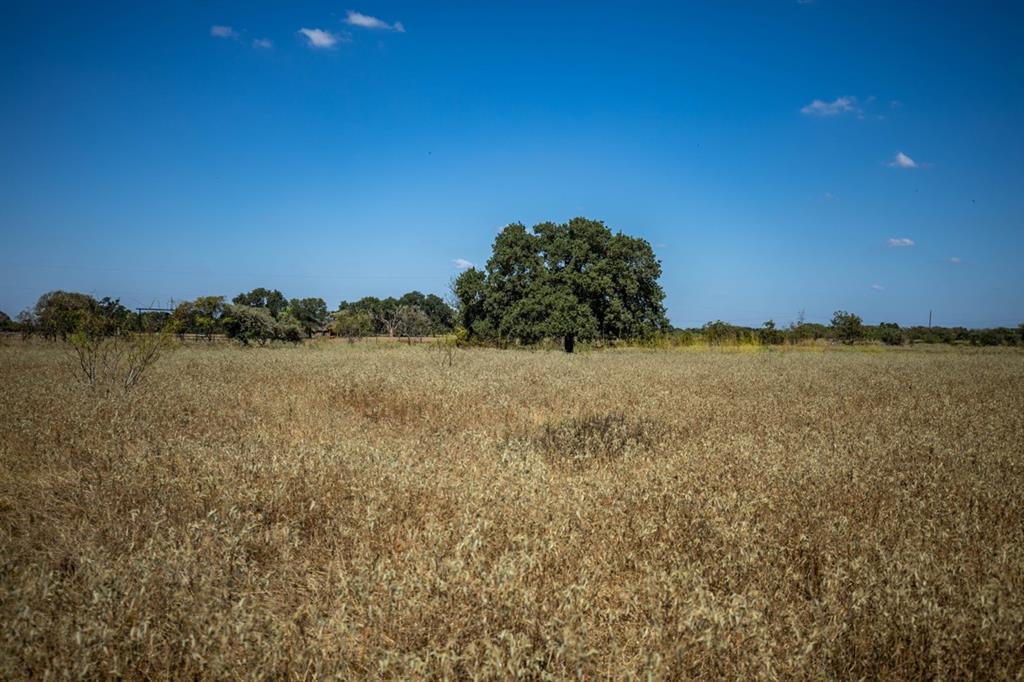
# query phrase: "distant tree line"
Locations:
[[59, 314], [523, 295], [255, 317], [414, 314], [846, 328]]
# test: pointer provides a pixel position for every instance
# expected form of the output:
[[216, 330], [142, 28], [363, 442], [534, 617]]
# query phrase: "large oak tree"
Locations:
[[574, 280]]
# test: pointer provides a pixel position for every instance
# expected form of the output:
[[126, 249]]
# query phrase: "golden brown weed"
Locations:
[[370, 512]]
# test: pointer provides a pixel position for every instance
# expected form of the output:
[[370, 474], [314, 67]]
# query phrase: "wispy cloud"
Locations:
[[840, 105], [955, 260], [463, 264], [354, 18], [321, 39], [828, 196], [901, 160], [878, 287], [263, 43], [900, 241], [223, 32]]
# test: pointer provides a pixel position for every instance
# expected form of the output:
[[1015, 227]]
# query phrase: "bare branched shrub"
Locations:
[[447, 348], [119, 360]]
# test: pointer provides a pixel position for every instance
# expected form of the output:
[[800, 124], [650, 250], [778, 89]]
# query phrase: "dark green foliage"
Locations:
[[439, 313], [309, 313], [719, 332], [273, 300], [470, 288], [770, 335], [385, 318], [847, 327], [889, 333], [288, 329], [58, 314], [248, 325], [536, 286], [202, 316], [353, 323], [574, 280], [807, 331]]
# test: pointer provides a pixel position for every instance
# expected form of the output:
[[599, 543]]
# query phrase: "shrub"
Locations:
[[847, 327], [287, 329], [770, 335], [246, 324], [353, 323], [890, 334], [105, 361]]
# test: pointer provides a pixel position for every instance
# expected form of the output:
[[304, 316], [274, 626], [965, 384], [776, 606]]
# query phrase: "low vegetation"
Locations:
[[406, 512]]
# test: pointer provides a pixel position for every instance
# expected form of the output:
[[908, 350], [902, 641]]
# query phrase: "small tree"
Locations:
[[353, 323], [287, 328], [26, 323], [441, 315], [847, 327], [769, 334], [109, 357], [890, 334], [58, 314], [309, 313], [412, 321], [389, 321], [247, 325]]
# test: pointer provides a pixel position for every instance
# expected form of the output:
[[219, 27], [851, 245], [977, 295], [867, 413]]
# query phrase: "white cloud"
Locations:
[[320, 38], [840, 105], [463, 264], [264, 43], [901, 241], [354, 18], [223, 32], [955, 260], [661, 245], [878, 287], [901, 160], [828, 196]]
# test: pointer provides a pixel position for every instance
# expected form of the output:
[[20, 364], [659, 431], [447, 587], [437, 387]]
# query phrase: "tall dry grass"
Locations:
[[371, 512]]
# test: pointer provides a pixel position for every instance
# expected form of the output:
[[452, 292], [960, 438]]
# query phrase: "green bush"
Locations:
[[847, 327]]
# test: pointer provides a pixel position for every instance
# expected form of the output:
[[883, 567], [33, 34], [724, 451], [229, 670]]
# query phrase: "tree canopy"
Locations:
[[309, 313], [574, 280], [395, 316], [273, 300]]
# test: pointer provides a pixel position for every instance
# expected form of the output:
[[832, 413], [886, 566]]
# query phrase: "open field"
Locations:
[[371, 512]]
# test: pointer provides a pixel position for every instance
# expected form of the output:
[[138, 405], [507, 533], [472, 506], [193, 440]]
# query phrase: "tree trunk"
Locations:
[[570, 342]]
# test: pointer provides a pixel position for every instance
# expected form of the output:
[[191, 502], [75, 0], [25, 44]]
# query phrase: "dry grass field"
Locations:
[[357, 511]]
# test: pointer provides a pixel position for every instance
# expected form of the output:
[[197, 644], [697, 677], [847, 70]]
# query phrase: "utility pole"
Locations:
[[929, 319]]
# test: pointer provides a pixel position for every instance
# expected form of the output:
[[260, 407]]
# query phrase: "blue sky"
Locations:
[[780, 155]]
